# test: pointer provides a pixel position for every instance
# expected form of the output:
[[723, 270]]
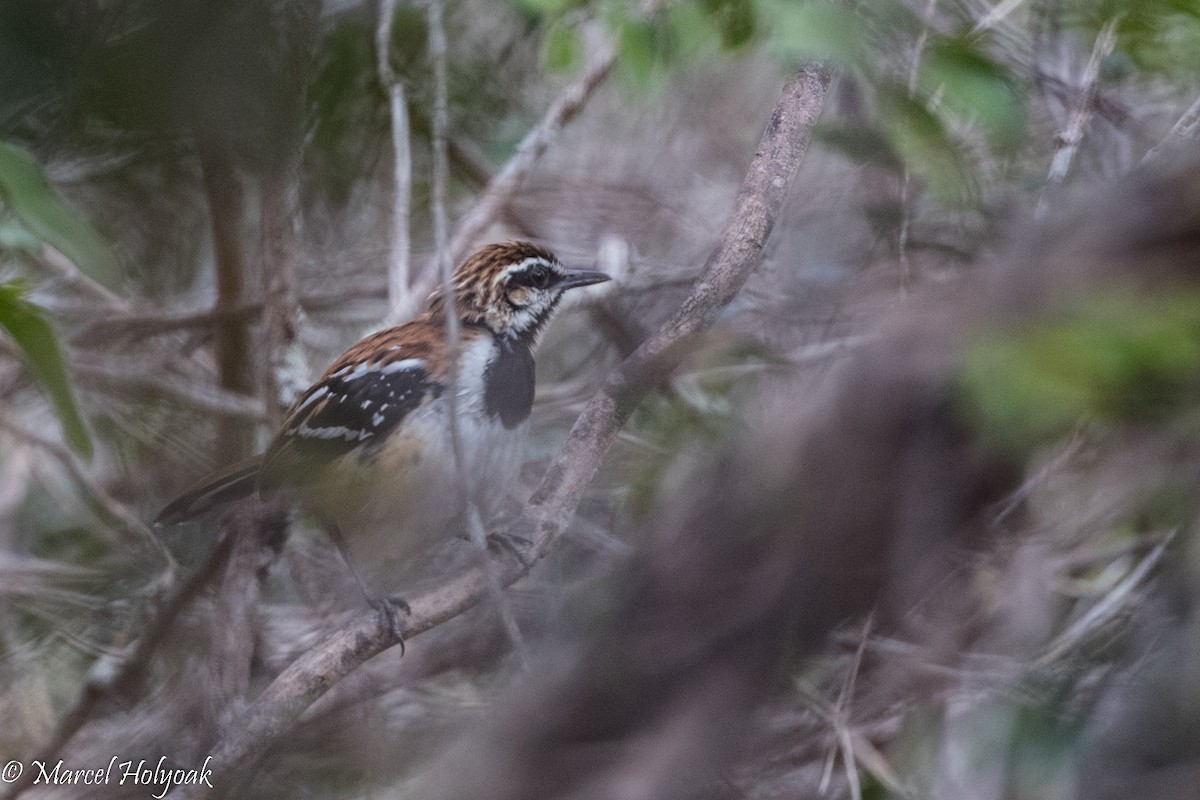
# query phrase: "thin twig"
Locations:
[[62, 269], [1104, 610], [110, 677], [996, 14], [182, 391], [475, 527], [492, 202], [737, 255], [284, 373], [399, 258], [117, 513], [1067, 142], [173, 320], [564, 109], [1183, 128], [914, 72]]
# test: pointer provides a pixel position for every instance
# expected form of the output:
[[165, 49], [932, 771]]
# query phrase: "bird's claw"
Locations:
[[391, 611], [516, 545]]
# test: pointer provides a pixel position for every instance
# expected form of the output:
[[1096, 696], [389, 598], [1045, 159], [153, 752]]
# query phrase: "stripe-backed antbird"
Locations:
[[366, 451]]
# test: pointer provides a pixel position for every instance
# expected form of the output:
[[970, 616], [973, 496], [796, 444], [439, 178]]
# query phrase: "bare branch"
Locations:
[[282, 378], [437, 52], [738, 253], [399, 261], [564, 109], [504, 185], [62, 269], [172, 320], [997, 13], [1184, 128], [113, 676], [184, 392], [1068, 140], [223, 190], [117, 513]]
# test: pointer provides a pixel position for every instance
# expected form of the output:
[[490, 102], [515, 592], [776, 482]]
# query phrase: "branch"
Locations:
[[445, 263], [1183, 128], [112, 676], [497, 195], [738, 253], [182, 391], [504, 185], [173, 320], [399, 265], [116, 513], [224, 192], [284, 375], [1068, 140], [282, 381]]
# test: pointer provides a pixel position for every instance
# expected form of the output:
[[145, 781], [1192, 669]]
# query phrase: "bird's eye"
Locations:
[[539, 277]]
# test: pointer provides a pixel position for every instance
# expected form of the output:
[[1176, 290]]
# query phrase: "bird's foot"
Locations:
[[518, 546], [392, 611]]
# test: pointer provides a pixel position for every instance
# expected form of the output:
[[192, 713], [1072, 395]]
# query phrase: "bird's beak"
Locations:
[[573, 278]]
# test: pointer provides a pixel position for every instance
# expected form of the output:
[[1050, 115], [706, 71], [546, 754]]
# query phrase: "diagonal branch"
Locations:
[[737, 255], [498, 193], [1067, 142], [508, 180]]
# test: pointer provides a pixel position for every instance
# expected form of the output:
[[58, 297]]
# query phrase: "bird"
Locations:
[[366, 451]]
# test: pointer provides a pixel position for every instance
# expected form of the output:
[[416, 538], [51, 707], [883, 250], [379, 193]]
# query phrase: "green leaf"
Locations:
[[927, 147], [862, 144], [562, 48], [547, 7], [13, 236], [639, 50], [735, 21], [1115, 358], [44, 212], [975, 87], [33, 334], [814, 30]]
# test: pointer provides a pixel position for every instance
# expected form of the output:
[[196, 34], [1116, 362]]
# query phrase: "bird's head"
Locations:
[[513, 288]]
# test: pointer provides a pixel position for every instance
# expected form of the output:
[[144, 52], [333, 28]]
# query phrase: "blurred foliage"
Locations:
[[1116, 358], [697, 417], [40, 215], [32, 333], [1160, 36], [103, 103], [29, 197]]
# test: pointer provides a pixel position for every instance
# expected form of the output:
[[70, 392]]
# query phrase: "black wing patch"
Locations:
[[356, 407]]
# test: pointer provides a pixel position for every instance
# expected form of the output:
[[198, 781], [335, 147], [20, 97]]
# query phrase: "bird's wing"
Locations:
[[359, 401]]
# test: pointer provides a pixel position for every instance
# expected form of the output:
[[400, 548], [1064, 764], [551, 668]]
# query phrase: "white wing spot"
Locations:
[[332, 432], [312, 398]]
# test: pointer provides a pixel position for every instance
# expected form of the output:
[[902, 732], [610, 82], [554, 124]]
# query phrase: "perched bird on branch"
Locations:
[[367, 450]]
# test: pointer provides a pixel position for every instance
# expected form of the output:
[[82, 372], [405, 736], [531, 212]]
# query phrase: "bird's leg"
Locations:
[[516, 545], [389, 608]]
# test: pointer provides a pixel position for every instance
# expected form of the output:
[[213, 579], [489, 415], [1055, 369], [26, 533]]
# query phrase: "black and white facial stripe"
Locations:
[[531, 290]]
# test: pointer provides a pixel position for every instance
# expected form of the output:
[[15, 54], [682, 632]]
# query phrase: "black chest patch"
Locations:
[[508, 383]]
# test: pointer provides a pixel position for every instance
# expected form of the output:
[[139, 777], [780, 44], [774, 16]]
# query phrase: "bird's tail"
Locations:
[[217, 489]]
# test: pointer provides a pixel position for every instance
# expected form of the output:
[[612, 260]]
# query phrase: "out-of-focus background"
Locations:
[[202, 202]]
